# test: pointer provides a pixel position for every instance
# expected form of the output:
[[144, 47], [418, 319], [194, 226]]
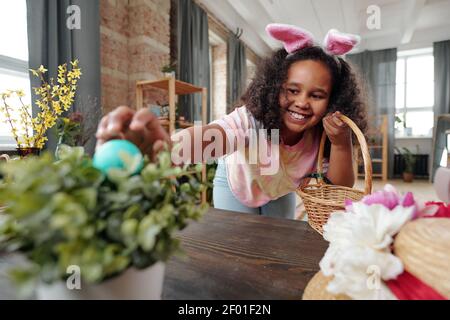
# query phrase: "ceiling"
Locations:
[[404, 24]]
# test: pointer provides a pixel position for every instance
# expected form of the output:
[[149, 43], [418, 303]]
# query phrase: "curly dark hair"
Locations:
[[262, 96]]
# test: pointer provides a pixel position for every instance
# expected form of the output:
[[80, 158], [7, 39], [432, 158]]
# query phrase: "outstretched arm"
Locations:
[[144, 130]]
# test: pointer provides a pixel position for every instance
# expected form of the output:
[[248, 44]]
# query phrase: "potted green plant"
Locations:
[[398, 121], [77, 128], [69, 130], [410, 161], [169, 70], [87, 235]]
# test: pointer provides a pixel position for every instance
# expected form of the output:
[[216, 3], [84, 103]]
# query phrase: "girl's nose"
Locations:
[[302, 102]]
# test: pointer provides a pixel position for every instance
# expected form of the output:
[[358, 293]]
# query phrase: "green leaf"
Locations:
[[25, 280], [86, 196], [66, 152], [66, 212], [147, 233]]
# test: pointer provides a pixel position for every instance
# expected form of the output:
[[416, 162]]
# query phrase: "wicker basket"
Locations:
[[322, 199], [316, 289]]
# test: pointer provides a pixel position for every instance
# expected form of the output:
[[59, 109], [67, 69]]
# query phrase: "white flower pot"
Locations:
[[169, 74], [131, 285]]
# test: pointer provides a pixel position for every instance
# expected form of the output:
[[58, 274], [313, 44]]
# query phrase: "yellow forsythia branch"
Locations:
[[53, 99]]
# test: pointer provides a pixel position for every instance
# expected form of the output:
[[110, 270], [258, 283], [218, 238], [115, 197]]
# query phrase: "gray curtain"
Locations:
[[378, 69], [439, 142], [441, 51], [236, 70], [52, 43], [193, 53]]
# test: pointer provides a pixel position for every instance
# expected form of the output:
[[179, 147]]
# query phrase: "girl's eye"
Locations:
[[315, 96], [293, 91]]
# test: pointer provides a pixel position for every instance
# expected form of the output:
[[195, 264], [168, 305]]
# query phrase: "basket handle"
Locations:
[[4, 157], [364, 149]]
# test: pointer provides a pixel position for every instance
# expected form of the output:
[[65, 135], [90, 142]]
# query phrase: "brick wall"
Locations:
[[149, 45], [135, 44], [114, 53]]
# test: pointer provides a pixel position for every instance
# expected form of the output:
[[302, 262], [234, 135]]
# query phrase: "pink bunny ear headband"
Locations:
[[295, 39]]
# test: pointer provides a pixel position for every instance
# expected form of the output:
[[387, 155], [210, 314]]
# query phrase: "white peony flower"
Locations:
[[359, 255]]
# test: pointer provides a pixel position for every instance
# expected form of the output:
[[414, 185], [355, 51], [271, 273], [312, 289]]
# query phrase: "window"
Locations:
[[415, 93], [13, 57]]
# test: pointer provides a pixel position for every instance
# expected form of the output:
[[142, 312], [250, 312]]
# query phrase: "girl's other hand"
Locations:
[[337, 130], [139, 127]]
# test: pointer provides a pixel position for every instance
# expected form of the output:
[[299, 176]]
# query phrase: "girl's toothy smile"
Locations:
[[297, 116]]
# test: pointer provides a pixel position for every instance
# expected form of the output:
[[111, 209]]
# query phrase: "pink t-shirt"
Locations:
[[279, 172]]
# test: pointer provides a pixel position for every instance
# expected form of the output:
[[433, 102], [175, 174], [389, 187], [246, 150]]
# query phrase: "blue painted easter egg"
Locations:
[[114, 154]]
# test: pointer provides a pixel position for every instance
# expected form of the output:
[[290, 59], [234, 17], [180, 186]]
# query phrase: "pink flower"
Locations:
[[388, 197]]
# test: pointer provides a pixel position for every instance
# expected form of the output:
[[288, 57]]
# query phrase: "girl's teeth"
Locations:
[[296, 115]]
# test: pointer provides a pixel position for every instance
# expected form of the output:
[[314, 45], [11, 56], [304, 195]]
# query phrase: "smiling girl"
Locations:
[[301, 91]]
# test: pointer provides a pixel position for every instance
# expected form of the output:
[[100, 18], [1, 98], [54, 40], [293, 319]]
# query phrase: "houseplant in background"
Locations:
[[78, 127], [398, 122], [169, 70], [91, 235], [403, 130], [410, 161], [69, 130], [53, 99]]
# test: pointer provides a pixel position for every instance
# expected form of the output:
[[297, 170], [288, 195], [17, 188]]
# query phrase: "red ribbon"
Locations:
[[408, 287], [443, 210]]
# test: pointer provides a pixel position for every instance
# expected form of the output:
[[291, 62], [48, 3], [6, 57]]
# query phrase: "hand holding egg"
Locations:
[[115, 154]]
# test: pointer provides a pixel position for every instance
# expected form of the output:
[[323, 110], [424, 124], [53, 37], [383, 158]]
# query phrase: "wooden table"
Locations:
[[242, 256], [234, 256]]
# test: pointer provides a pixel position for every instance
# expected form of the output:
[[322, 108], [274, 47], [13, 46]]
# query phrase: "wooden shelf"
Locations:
[[380, 144], [181, 88], [174, 88], [181, 124]]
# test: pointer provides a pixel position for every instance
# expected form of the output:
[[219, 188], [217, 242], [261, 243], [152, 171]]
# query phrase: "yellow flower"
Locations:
[[42, 69], [38, 127], [57, 107], [61, 80], [40, 104], [75, 73], [74, 63], [20, 93], [34, 72], [6, 94]]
